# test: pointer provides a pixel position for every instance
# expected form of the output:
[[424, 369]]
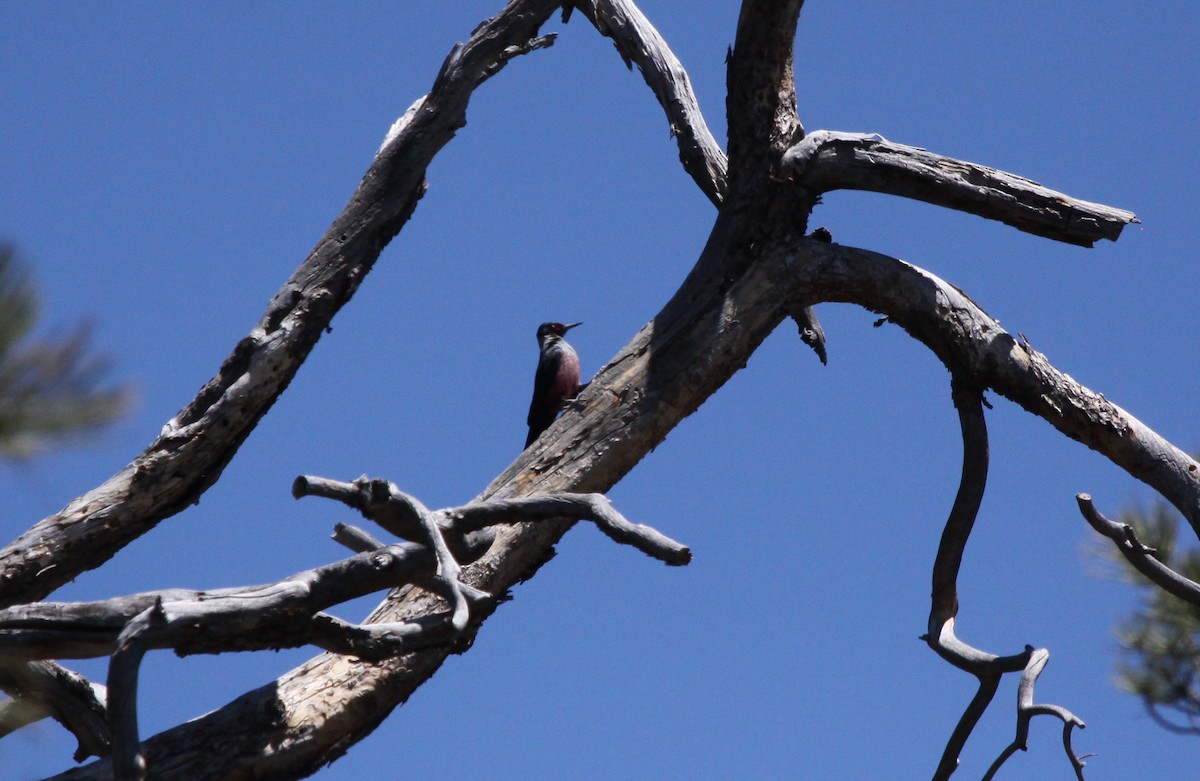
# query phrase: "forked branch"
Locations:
[[638, 42], [987, 668], [289, 612], [195, 446], [1027, 709]]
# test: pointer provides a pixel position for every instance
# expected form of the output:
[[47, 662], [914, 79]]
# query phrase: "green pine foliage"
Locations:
[[51, 389], [1160, 642]]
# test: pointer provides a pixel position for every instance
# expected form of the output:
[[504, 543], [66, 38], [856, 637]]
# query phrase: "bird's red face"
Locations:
[[557, 329]]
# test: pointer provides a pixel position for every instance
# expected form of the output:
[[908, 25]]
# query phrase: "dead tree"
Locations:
[[760, 267]]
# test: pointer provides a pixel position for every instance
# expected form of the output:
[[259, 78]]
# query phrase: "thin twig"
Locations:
[[1027, 709], [1138, 555]]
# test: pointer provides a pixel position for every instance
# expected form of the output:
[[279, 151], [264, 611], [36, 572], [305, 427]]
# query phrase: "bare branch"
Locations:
[[288, 612], [969, 341], [827, 160], [940, 636], [1141, 557], [42, 689], [354, 538], [196, 445], [969, 403], [268, 616], [131, 645], [761, 102], [638, 42], [988, 684], [1027, 709], [594, 507]]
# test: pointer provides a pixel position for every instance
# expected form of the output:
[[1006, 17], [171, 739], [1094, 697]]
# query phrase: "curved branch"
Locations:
[[638, 42], [196, 445], [968, 400], [986, 667], [988, 684], [826, 160], [968, 340], [43, 689], [1141, 557]]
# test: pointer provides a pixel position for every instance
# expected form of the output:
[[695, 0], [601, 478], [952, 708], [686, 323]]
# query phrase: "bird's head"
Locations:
[[554, 329]]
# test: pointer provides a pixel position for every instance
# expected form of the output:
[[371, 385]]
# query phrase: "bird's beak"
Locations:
[[569, 327]]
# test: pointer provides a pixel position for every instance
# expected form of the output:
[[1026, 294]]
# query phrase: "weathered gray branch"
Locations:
[[987, 668], [968, 400], [43, 689], [756, 270], [289, 612], [354, 538], [968, 340], [1138, 555], [1027, 709], [281, 614], [132, 644], [594, 507], [825, 160], [197, 444], [761, 97], [638, 42], [940, 636], [269, 616]]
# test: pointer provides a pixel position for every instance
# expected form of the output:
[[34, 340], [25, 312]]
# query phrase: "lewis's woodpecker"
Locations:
[[557, 378]]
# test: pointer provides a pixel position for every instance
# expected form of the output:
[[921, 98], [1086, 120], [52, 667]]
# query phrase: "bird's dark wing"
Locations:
[[541, 410]]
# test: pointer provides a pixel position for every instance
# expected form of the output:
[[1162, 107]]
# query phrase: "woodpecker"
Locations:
[[557, 378]]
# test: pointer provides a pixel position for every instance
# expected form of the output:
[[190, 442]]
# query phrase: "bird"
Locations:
[[557, 378]]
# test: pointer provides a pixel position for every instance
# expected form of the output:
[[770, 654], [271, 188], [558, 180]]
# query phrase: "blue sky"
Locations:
[[165, 166]]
